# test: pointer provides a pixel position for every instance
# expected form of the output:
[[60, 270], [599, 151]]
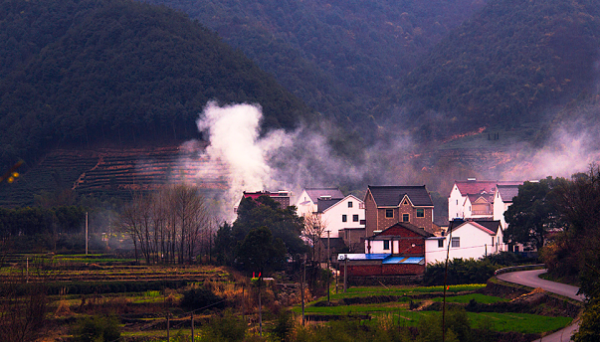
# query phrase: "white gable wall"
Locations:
[[474, 243], [455, 204], [332, 216], [305, 205]]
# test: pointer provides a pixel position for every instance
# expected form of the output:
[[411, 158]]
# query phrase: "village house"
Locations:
[[388, 205], [282, 197], [392, 254], [307, 202], [473, 199], [473, 238], [344, 218]]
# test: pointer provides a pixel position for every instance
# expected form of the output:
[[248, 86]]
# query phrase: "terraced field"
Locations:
[[114, 172]]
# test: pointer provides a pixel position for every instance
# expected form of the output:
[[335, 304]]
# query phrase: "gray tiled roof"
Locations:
[[323, 205], [508, 192], [390, 196], [315, 193], [408, 226], [488, 224]]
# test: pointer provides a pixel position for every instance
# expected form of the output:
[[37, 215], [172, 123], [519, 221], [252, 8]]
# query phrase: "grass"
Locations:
[[365, 291], [399, 312], [476, 296]]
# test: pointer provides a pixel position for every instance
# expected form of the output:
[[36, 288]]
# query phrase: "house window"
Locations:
[[456, 202], [349, 204], [389, 213], [354, 218], [492, 241], [386, 244], [405, 217], [344, 218], [456, 242], [441, 243], [420, 212]]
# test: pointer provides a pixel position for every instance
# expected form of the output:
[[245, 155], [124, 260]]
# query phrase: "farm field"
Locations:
[[406, 306], [142, 296]]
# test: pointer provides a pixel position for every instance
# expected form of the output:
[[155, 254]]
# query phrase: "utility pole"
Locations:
[[86, 233], [450, 227], [328, 271]]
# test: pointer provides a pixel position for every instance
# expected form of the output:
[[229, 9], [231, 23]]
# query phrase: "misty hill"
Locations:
[[82, 73], [505, 67], [339, 56]]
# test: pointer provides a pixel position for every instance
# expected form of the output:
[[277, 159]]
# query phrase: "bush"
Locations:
[[97, 329], [227, 328], [469, 271], [201, 298]]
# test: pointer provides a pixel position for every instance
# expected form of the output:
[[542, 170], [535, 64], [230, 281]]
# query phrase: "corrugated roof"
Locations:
[[390, 196], [357, 257], [508, 192], [315, 193], [403, 260]]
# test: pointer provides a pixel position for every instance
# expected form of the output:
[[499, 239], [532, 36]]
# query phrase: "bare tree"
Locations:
[[314, 228], [168, 226], [23, 304]]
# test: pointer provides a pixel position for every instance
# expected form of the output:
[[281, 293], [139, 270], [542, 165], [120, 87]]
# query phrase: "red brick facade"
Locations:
[[376, 219], [379, 269]]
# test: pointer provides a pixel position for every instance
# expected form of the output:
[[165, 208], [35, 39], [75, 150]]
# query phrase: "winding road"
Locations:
[[532, 279]]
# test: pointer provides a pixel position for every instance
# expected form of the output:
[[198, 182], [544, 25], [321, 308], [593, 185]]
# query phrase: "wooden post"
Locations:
[[192, 326], [259, 307], [302, 288], [27, 270], [168, 336], [345, 273]]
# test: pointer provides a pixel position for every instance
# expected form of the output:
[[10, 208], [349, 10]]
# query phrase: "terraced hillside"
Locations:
[[115, 172]]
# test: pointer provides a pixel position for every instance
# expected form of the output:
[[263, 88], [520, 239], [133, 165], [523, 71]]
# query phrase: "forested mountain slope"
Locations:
[[506, 66], [83, 72], [339, 56]]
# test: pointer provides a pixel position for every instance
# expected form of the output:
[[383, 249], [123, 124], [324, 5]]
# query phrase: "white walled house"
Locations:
[[343, 214], [477, 199], [307, 202], [469, 239], [503, 198]]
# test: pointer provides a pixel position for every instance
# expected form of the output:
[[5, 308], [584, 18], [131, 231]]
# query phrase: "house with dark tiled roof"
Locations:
[[388, 205], [344, 218], [472, 238]]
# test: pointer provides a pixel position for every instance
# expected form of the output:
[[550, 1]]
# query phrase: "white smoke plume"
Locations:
[[235, 144]]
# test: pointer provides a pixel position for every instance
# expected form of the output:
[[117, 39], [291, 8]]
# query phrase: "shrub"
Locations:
[[199, 298], [97, 329], [227, 328], [460, 271]]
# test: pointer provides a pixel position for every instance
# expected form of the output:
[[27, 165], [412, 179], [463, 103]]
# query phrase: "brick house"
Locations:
[[398, 251], [388, 205]]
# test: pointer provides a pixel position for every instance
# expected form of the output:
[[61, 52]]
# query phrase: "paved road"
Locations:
[[532, 279]]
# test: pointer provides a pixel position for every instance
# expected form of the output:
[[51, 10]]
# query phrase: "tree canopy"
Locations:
[[534, 213], [83, 72]]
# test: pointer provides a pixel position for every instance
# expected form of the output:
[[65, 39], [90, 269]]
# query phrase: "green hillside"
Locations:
[[86, 72], [505, 67], [339, 56]]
